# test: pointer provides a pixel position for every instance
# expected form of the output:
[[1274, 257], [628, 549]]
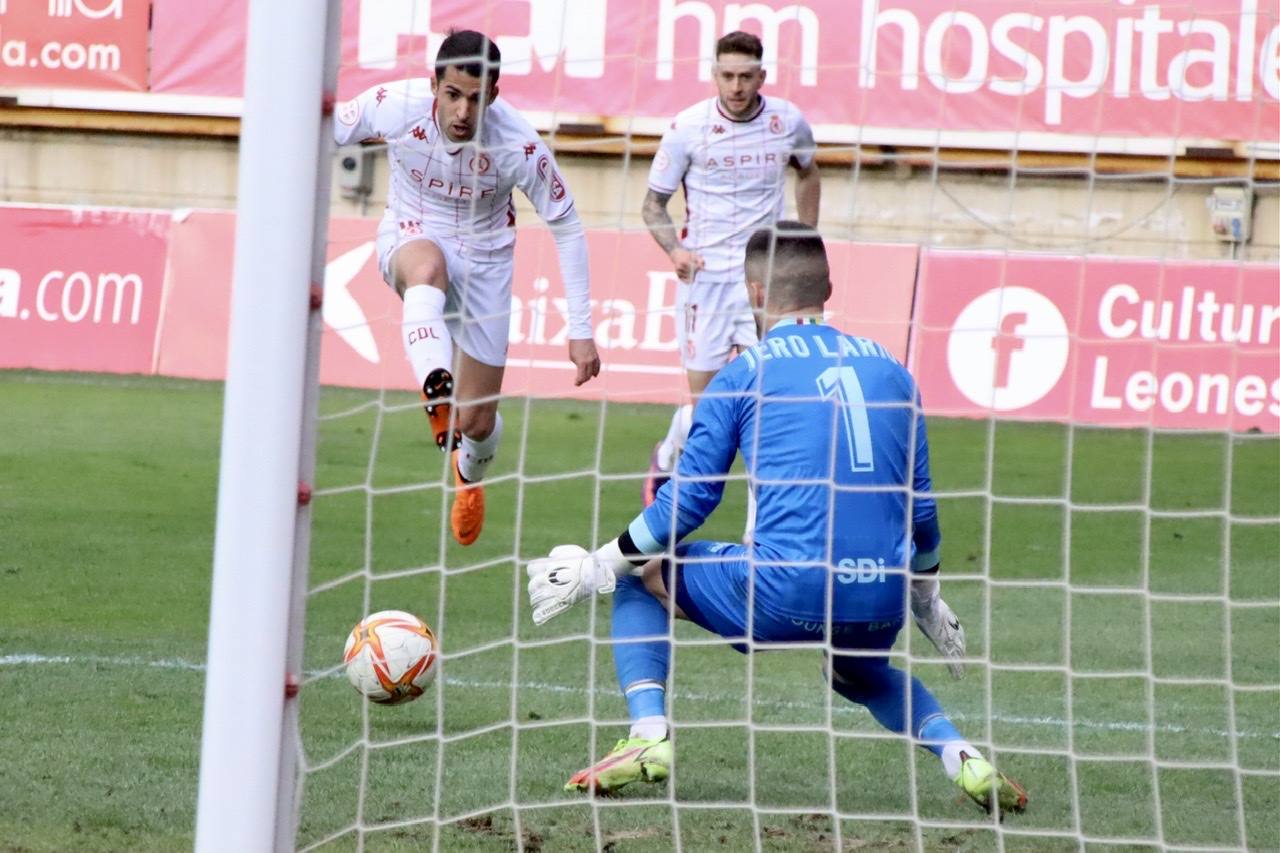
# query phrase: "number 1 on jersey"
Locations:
[[841, 384]]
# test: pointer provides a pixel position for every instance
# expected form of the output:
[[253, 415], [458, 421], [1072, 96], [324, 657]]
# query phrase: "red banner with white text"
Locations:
[[81, 44], [632, 288], [80, 287], [1127, 342], [1056, 74], [1121, 342]]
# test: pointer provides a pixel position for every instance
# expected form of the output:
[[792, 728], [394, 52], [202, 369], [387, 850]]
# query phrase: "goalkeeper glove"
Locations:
[[569, 575], [937, 621]]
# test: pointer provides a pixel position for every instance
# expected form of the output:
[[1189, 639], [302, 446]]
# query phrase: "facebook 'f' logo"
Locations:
[[1006, 343], [1008, 348]]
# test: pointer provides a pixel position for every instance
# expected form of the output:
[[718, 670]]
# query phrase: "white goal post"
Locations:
[[262, 541]]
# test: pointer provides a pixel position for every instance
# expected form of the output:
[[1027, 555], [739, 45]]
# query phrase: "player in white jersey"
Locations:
[[730, 153], [447, 238]]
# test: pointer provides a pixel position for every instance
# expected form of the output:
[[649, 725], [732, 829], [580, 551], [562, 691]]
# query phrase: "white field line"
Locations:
[[29, 659]]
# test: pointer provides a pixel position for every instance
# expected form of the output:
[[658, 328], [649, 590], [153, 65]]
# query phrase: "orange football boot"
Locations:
[[439, 387], [467, 516]]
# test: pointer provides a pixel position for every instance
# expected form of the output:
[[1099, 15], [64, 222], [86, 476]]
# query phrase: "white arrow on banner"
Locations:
[[341, 311]]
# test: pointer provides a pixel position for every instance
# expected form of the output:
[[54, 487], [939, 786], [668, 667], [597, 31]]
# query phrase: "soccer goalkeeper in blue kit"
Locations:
[[834, 444]]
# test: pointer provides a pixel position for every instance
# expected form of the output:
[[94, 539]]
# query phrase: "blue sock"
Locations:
[[642, 665], [936, 731], [883, 690]]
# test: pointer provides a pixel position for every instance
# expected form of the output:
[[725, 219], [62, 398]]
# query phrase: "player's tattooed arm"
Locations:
[[658, 219], [655, 215]]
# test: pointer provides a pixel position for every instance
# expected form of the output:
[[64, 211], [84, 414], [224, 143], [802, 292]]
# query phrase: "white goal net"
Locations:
[[1063, 218]]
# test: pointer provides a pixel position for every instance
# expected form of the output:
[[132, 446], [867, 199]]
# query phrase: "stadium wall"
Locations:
[[1062, 209]]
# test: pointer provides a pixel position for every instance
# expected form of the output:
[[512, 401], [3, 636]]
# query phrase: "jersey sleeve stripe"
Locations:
[[924, 560], [643, 539]]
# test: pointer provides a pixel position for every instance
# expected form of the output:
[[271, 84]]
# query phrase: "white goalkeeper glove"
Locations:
[[569, 575], [938, 622]]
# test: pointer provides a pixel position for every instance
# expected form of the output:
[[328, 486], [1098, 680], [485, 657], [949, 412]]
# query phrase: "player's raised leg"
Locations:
[[642, 657], [667, 452], [715, 324], [892, 696], [663, 459], [420, 275], [479, 422]]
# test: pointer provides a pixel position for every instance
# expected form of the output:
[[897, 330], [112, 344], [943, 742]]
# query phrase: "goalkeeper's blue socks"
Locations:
[[642, 656], [883, 690], [940, 736]]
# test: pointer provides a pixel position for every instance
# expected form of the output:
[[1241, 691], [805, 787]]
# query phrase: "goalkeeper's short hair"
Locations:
[[790, 260]]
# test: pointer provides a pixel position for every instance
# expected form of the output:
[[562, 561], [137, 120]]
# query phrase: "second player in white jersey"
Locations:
[[730, 155], [733, 172]]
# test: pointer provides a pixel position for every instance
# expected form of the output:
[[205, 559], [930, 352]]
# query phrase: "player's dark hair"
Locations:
[[470, 52], [740, 42], [790, 260]]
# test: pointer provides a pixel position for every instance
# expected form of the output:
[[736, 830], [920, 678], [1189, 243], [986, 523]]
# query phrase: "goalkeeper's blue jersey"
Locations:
[[833, 439]]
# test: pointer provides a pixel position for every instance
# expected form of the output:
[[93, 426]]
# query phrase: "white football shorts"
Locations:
[[478, 305], [713, 318]]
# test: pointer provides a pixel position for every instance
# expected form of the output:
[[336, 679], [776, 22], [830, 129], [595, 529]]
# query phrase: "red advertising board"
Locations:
[[633, 293], [1110, 341], [82, 44], [80, 288], [1122, 342], [1057, 73]]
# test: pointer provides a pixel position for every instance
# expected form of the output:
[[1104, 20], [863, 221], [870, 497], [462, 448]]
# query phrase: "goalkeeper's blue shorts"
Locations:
[[710, 585]]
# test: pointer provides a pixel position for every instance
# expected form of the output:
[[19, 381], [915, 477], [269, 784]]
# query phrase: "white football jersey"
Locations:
[[733, 173], [458, 191]]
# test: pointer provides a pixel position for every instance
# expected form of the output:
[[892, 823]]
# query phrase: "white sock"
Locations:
[[677, 435], [426, 337], [474, 456], [951, 756], [649, 728]]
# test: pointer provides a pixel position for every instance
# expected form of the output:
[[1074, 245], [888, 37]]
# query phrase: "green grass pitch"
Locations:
[[1135, 653]]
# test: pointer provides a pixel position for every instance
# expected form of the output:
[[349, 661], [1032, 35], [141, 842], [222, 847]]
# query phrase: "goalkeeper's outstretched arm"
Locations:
[[571, 574]]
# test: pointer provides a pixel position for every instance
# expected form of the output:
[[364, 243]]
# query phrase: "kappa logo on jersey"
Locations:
[[529, 148], [775, 124], [1008, 348], [410, 227], [479, 164], [418, 133], [719, 128], [380, 94]]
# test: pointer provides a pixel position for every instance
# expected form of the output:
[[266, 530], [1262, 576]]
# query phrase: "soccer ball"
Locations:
[[391, 657]]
